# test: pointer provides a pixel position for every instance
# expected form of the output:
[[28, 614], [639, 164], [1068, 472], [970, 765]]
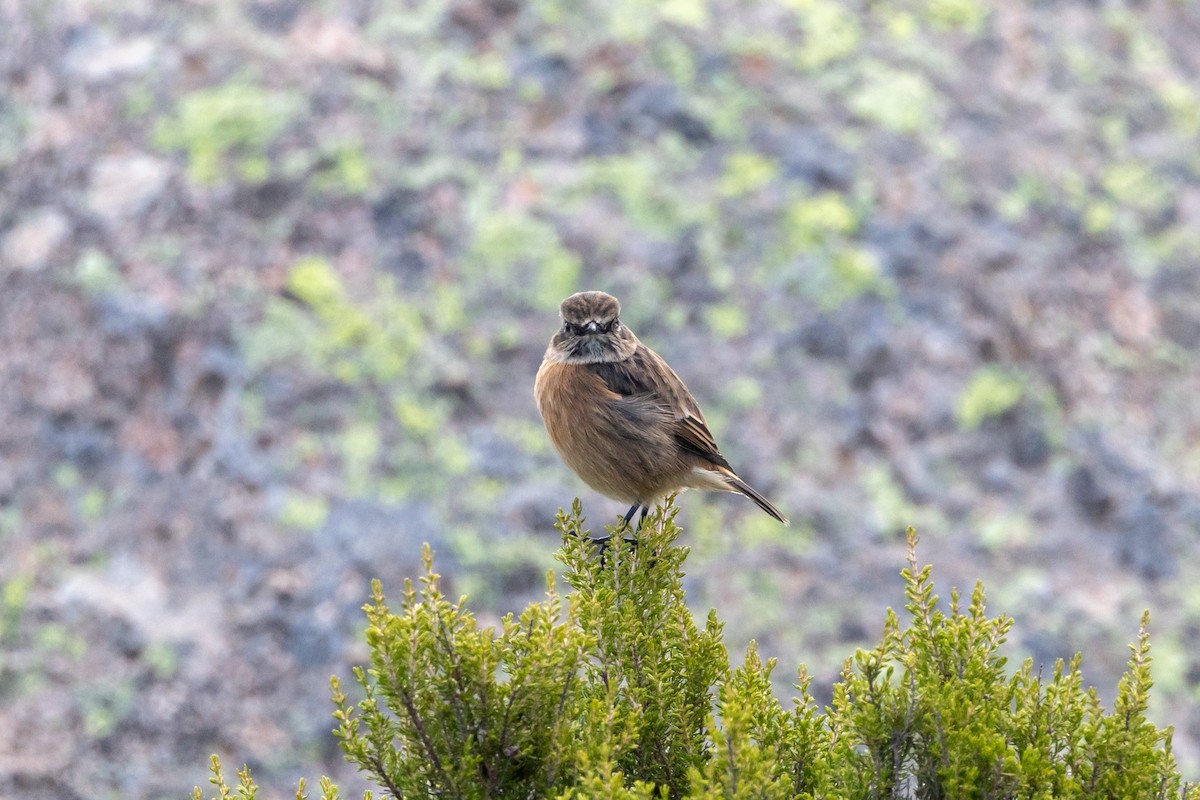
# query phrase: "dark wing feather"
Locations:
[[624, 377], [644, 375], [693, 435]]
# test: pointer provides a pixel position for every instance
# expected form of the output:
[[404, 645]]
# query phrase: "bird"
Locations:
[[621, 418]]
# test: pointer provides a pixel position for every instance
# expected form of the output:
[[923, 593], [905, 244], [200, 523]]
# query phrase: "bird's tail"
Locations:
[[738, 485]]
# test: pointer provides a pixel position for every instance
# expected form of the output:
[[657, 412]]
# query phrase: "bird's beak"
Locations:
[[592, 327]]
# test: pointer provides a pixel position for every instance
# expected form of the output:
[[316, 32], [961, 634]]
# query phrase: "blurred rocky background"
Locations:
[[275, 278]]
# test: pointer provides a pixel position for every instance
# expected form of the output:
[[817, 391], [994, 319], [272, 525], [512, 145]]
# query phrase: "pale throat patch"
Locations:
[[591, 351]]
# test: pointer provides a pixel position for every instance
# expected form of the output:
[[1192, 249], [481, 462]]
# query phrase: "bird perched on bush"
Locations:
[[621, 418]]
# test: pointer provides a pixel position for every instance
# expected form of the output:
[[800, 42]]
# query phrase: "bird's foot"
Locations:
[[603, 543], [626, 522]]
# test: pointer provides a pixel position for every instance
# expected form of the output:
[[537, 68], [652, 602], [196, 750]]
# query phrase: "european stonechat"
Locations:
[[621, 418]]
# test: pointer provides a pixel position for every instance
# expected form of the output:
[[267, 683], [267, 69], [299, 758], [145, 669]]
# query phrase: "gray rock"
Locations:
[[908, 251], [1028, 446], [824, 338], [998, 476], [274, 16], [32, 243], [125, 185], [809, 155], [133, 592], [1143, 541], [1089, 494], [495, 456], [97, 57], [534, 507], [366, 534]]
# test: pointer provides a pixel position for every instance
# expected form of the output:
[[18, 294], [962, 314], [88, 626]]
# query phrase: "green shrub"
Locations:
[[517, 250], [990, 392], [831, 31], [617, 691], [895, 99], [227, 130], [391, 350]]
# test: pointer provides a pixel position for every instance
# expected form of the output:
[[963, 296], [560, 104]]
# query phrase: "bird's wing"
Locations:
[[645, 376]]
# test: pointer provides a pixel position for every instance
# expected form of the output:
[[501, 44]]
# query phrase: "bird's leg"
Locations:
[[602, 542], [602, 549], [629, 516], [632, 510]]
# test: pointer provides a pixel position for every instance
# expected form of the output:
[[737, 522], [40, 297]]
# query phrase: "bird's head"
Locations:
[[592, 331]]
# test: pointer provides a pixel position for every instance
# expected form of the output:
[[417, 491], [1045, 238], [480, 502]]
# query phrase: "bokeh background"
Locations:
[[276, 276]]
